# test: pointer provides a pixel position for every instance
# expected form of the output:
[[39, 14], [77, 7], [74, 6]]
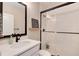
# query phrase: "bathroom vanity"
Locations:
[[26, 47]]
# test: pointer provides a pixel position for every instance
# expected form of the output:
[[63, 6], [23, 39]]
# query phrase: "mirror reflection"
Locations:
[[13, 18]]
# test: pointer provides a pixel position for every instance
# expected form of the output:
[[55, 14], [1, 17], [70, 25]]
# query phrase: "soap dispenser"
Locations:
[[11, 39]]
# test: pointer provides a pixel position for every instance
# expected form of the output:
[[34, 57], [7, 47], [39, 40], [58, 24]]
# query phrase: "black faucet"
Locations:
[[17, 37]]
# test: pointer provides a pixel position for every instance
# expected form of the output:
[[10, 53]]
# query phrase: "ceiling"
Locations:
[[47, 5]]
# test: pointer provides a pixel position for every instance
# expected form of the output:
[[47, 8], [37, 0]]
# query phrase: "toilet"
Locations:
[[44, 53]]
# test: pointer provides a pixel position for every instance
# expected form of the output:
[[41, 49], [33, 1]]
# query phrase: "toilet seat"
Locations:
[[44, 53]]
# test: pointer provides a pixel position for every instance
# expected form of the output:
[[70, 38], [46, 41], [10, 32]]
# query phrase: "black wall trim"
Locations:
[[61, 32], [62, 5], [68, 32]]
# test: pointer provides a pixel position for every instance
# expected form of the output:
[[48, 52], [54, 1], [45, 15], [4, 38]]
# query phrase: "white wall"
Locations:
[[33, 12]]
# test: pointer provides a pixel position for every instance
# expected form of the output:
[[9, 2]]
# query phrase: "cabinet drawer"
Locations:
[[30, 51], [36, 54]]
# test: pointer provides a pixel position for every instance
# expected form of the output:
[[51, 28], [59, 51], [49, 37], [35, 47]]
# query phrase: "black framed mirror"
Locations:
[[14, 16]]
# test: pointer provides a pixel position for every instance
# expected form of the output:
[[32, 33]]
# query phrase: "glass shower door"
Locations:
[[60, 31], [48, 32]]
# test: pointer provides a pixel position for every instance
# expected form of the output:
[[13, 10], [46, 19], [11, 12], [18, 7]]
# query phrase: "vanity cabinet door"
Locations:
[[33, 51]]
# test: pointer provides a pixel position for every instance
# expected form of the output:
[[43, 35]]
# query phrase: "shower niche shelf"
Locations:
[[34, 29]]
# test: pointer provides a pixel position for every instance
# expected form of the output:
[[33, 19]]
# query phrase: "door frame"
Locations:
[[47, 10]]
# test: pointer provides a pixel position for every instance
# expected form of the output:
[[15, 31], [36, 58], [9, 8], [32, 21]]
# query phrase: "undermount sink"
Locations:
[[20, 44]]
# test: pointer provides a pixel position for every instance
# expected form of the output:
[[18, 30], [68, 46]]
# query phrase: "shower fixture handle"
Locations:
[[43, 30]]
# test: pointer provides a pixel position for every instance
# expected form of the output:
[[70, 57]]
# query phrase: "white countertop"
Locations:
[[13, 50]]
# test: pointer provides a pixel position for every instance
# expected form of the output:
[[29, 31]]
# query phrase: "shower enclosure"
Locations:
[[60, 29]]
